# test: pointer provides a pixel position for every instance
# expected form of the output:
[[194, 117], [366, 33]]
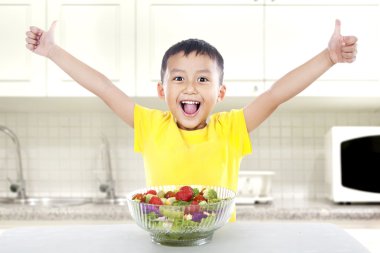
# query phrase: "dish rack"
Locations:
[[254, 187]]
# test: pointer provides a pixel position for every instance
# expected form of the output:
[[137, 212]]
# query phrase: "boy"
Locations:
[[186, 145]]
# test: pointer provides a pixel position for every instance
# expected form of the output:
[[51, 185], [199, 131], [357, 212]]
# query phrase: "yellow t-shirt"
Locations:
[[208, 156]]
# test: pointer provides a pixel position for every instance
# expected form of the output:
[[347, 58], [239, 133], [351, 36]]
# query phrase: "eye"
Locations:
[[202, 79], [178, 78]]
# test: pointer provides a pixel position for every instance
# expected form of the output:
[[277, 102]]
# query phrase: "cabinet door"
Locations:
[[21, 72], [294, 34], [99, 33], [321, 2], [235, 28]]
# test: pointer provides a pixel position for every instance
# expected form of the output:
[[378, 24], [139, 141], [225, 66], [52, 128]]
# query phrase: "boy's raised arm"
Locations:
[[340, 49], [42, 43]]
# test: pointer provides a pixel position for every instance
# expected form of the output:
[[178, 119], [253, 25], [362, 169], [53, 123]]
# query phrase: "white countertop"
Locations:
[[246, 237], [360, 221]]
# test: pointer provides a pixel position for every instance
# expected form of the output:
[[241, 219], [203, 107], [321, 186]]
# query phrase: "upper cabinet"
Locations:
[[319, 2], [235, 28], [101, 34], [260, 41], [21, 73], [295, 33]]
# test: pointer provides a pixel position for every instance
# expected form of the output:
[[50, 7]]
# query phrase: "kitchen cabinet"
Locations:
[[320, 2], [235, 28], [98, 32], [308, 29], [21, 74], [260, 40]]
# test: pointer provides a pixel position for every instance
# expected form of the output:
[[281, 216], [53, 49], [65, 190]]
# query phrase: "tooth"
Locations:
[[190, 102]]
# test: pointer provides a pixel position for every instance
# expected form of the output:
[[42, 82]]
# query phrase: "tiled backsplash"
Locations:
[[292, 145], [61, 151]]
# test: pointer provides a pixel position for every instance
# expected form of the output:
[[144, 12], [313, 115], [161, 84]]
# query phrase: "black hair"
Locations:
[[189, 46]]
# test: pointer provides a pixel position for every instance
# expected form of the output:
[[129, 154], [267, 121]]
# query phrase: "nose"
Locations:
[[190, 88]]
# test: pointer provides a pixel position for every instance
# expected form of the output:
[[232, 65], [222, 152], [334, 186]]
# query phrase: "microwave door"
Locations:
[[360, 163]]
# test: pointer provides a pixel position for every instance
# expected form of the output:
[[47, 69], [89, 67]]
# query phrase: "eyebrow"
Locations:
[[198, 71], [176, 70]]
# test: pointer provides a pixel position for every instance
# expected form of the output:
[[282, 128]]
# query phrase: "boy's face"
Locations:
[[191, 89]]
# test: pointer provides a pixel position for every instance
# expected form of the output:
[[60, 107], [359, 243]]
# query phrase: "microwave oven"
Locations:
[[353, 164]]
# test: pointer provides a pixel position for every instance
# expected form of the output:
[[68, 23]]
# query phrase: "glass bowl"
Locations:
[[182, 225]]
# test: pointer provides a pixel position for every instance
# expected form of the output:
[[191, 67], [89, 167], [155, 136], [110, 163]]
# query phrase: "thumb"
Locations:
[[337, 27], [52, 26]]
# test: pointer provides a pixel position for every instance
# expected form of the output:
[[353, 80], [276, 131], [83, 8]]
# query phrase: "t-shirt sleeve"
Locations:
[[144, 119], [139, 125], [239, 132], [235, 128]]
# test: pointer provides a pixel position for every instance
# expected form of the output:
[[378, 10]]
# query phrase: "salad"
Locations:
[[181, 209]]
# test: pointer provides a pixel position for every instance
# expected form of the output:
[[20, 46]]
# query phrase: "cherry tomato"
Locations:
[[169, 194], [153, 192]]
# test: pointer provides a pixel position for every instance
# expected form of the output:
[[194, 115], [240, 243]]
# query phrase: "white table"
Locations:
[[233, 237]]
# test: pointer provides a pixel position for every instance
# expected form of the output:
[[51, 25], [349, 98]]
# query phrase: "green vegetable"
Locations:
[[180, 203], [152, 223], [203, 203], [151, 216], [181, 224], [195, 192], [161, 194], [168, 212], [214, 200], [210, 194], [148, 197]]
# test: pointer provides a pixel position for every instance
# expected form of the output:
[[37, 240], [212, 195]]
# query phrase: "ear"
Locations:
[[222, 92], [160, 90]]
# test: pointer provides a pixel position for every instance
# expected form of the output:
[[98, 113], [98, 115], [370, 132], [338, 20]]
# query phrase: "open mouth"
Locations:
[[190, 107]]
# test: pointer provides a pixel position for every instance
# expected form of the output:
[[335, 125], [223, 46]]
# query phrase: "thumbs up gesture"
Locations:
[[342, 48], [40, 41]]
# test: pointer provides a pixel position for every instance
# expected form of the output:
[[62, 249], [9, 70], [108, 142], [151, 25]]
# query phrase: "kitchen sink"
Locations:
[[49, 201]]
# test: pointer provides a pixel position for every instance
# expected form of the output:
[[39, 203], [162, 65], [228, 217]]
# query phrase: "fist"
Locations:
[[40, 41], [342, 48]]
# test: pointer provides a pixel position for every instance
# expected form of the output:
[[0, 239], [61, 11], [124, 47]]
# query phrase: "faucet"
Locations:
[[19, 185], [109, 186]]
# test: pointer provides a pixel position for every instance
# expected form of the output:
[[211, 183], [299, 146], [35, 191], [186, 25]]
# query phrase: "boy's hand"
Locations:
[[40, 41], [342, 48]]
